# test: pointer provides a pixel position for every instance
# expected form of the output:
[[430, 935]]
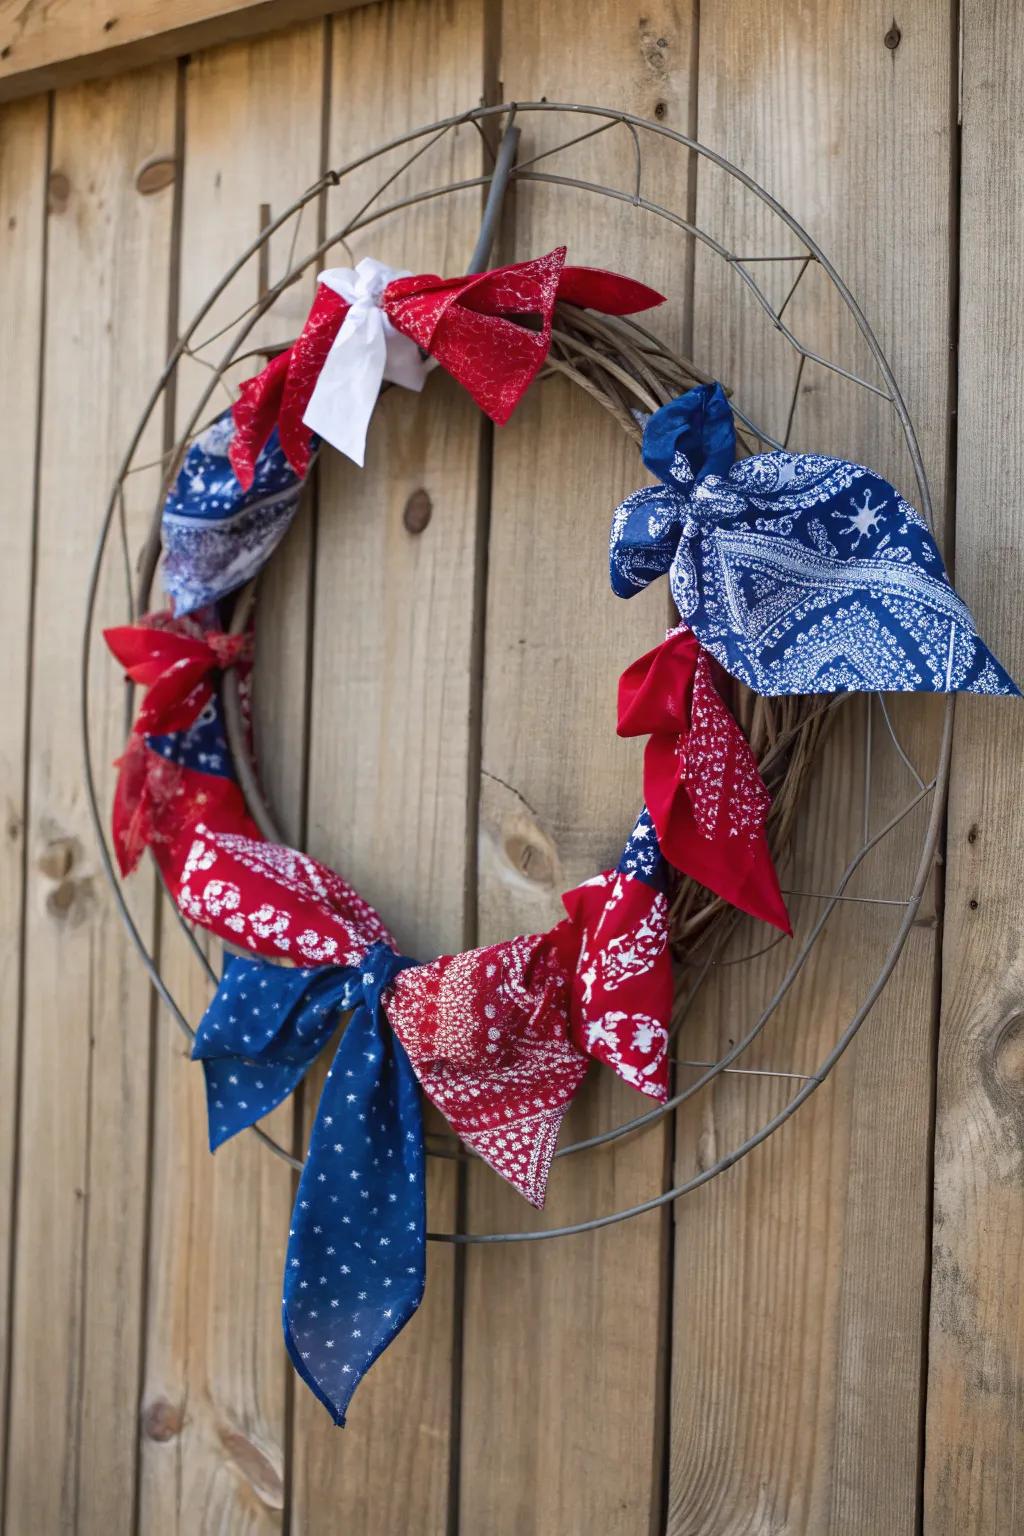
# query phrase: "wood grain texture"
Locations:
[[795, 1358], [796, 1384], [23, 168], [85, 1073], [974, 1448], [395, 641], [44, 46], [217, 1376], [562, 1340]]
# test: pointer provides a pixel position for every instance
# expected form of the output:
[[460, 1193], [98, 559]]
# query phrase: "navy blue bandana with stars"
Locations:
[[798, 572], [355, 1267]]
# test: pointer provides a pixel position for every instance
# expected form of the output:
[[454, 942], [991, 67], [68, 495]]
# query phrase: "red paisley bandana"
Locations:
[[487, 1033], [463, 322], [701, 782], [273, 900], [615, 948], [158, 796]]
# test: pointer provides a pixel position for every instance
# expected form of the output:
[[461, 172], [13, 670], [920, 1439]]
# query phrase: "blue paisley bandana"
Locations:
[[216, 536], [799, 573]]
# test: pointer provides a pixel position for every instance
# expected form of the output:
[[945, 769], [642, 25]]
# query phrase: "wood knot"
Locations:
[[162, 1420], [1008, 1052], [156, 174], [525, 850], [58, 192], [58, 857], [262, 1475], [70, 890], [418, 511], [707, 1149], [1001, 1069], [893, 37]]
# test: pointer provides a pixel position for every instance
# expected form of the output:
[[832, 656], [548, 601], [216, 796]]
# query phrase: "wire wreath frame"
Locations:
[[625, 367]]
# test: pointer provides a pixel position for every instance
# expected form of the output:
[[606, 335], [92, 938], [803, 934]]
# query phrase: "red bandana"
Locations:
[[487, 1033], [615, 948], [160, 795], [462, 322], [274, 901], [701, 782]]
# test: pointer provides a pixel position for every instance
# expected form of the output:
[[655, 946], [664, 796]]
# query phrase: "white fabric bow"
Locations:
[[366, 351]]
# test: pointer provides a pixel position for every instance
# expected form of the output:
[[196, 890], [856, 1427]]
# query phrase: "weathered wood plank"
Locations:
[[562, 1339], [23, 168], [214, 1413], [974, 1445], [391, 724], [85, 1075], [63, 41], [800, 1275]]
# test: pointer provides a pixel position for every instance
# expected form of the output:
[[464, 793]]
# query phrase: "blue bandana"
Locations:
[[799, 573], [355, 1267], [642, 855], [216, 536]]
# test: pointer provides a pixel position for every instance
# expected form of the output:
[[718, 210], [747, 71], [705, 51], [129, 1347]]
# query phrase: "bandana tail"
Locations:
[[356, 1262]]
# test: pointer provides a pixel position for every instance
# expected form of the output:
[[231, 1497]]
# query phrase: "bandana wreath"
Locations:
[[794, 573]]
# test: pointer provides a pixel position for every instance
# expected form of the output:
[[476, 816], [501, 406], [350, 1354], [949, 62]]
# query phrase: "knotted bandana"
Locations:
[[487, 1033], [701, 781], [355, 1266], [473, 326], [498, 1039], [615, 949], [176, 765], [366, 351], [799, 573], [273, 900], [217, 536]]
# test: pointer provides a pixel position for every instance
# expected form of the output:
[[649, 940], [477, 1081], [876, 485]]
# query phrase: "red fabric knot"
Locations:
[[173, 659], [272, 900], [488, 1036], [228, 649], [476, 328], [157, 798], [614, 946], [703, 789]]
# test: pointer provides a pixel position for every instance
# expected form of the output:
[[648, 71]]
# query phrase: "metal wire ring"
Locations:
[[936, 787]]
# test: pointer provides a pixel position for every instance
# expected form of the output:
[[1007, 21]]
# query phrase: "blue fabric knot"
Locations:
[[216, 536], [798, 572], [355, 1266]]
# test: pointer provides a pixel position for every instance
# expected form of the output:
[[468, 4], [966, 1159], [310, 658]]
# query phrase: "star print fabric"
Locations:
[[355, 1265], [262, 1032], [701, 782], [799, 573], [217, 536]]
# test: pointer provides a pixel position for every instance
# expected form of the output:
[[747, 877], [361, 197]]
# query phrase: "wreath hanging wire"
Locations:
[[627, 369]]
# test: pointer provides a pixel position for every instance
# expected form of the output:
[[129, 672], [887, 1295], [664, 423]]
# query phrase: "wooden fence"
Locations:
[[827, 1339]]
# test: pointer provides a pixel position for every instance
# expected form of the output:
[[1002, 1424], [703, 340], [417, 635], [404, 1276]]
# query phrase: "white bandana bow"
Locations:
[[366, 351]]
